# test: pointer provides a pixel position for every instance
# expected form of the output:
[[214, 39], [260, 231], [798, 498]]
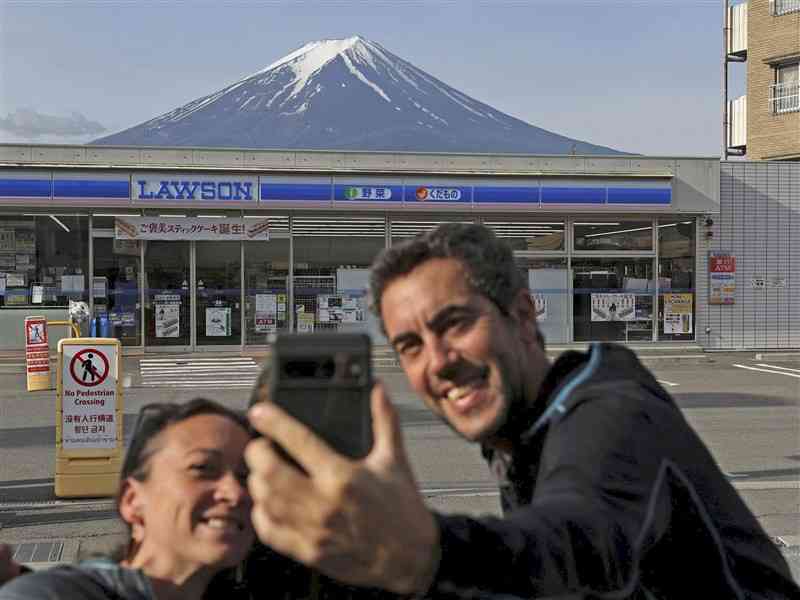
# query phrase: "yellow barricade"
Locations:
[[89, 412]]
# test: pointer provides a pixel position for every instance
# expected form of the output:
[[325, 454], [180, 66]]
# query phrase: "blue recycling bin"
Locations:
[[100, 326]]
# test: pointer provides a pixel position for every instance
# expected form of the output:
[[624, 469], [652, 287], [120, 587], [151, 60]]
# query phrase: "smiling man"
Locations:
[[606, 489]]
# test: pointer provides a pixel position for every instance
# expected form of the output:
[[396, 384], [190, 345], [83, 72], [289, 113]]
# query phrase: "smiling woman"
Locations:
[[184, 499]]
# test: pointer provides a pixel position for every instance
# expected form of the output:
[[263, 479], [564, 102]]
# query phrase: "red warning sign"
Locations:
[[35, 331], [89, 367]]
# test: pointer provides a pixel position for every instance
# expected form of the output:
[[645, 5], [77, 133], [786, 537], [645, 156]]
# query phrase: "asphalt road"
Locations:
[[745, 407]]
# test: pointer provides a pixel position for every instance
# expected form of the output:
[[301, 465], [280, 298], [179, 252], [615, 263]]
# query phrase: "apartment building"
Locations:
[[765, 124]]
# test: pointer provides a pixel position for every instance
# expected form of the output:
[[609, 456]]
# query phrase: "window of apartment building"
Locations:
[[783, 7], [785, 95]]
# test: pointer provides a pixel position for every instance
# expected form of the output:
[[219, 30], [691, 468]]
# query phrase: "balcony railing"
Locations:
[[785, 97], [782, 7]]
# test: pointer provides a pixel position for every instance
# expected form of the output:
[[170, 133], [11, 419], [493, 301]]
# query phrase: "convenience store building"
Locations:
[[199, 249]]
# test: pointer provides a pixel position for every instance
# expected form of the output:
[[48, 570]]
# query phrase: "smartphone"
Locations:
[[324, 380]]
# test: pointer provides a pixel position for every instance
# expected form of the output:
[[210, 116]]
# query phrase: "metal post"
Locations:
[[725, 36]]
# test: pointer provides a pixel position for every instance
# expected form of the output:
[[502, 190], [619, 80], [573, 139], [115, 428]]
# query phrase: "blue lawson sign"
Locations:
[[182, 188]]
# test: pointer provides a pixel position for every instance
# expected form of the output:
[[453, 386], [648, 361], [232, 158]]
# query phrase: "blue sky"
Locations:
[[641, 76]]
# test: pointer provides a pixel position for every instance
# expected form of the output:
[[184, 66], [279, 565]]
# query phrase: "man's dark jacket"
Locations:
[[609, 493]]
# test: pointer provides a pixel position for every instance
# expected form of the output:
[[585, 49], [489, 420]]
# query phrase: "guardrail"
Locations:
[[785, 97], [782, 7]]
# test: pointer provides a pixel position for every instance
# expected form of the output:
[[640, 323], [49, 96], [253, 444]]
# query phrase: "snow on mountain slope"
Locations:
[[348, 94]]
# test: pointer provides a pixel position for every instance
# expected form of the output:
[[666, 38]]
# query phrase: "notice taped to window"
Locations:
[[168, 322], [613, 307], [677, 313]]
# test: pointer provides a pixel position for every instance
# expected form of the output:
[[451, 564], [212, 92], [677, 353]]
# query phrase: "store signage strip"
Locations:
[[438, 193], [296, 192], [640, 195], [506, 194], [92, 189], [573, 195], [25, 188], [369, 192], [190, 228]]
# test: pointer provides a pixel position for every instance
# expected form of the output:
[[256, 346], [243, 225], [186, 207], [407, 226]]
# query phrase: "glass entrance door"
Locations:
[[218, 294], [167, 280]]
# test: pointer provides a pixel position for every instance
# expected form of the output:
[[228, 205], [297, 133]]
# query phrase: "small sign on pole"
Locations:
[[89, 413], [37, 354]]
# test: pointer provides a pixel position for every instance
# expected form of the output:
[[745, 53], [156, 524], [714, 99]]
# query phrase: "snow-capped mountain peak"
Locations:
[[346, 94]]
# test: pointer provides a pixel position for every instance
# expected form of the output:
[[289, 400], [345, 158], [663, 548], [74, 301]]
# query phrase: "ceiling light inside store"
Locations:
[[618, 231], [211, 216], [169, 216], [64, 227], [600, 224]]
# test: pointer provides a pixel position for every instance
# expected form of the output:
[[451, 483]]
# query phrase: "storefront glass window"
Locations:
[[167, 283], [530, 236], [548, 282], [614, 236], [44, 260], [612, 299], [266, 277], [404, 230], [676, 279], [115, 290], [332, 257]]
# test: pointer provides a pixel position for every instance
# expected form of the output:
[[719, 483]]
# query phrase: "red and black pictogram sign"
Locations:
[[35, 332], [89, 367]]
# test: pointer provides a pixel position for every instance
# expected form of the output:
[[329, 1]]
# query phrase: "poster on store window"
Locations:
[[305, 322], [25, 240], [540, 302], [722, 278], [168, 321], [266, 313], [7, 240], [218, 321], [678, 313], [613, 307]]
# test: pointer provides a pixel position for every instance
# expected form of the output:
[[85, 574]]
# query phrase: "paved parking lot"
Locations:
[[745, 406]]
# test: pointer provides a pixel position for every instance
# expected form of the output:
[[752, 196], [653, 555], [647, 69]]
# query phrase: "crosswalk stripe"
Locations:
[[778, 367], [196, 368], [767, 371], [198, 360], [212, 372]]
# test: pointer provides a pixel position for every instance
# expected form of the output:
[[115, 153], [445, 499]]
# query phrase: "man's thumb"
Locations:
[[388, 437]]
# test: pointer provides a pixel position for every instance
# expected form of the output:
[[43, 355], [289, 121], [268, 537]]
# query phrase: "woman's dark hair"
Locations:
[[152, 420]]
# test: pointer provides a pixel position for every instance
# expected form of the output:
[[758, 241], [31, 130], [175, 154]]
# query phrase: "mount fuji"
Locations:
[[347, 94]]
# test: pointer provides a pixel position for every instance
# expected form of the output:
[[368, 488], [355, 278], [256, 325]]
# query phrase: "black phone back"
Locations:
[[324, 380]]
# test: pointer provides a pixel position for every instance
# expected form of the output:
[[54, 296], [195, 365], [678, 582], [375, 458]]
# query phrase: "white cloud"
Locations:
[[27, 124]]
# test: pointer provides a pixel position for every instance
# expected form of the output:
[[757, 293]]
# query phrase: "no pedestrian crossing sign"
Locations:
[[89, 395]]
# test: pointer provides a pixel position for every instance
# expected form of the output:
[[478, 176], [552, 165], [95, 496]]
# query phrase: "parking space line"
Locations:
[[797, 375], [779, 368], [668, 383]]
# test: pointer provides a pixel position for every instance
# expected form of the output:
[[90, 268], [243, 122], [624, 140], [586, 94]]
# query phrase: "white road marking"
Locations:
[[669, 383], [767, 371], [145, 361], [780, 368], [203, 373], [675, 356]]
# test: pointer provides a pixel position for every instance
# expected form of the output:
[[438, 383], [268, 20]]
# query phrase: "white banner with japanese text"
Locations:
[[190, 228]]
